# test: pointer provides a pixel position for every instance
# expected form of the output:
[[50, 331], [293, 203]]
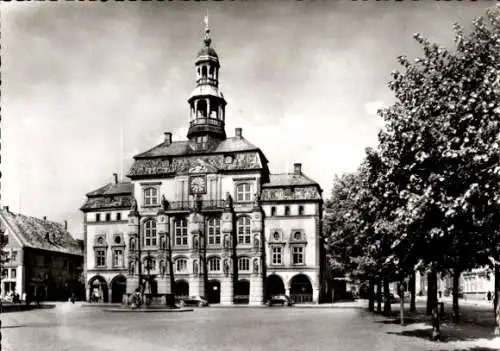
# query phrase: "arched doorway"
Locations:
[[98, 289], [181, 288], [274, 286], [301, 289], [242, 292], [213, 291], [118, 288]]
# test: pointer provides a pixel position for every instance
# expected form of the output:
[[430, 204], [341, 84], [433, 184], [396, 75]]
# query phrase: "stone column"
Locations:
[[227, 224], [257, 280], [315, 295], [226, 283]]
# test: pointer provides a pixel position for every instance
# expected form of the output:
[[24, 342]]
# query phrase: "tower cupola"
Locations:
[[206, 103]]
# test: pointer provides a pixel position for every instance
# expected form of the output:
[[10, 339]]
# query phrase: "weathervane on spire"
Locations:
[[207, 30]]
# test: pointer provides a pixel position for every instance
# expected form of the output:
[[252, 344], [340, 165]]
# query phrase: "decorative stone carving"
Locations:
[[298, 193], [195, 267], [256, 242], [226, 242], [226, 268], [256, 265], [195, 242], [183, 165], [131, 267]]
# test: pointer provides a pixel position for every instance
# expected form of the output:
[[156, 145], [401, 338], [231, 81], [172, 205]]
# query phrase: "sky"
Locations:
[[87, 85]]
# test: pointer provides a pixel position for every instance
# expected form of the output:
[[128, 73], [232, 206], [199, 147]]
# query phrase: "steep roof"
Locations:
[[112, 189], [111, 195], [185, 147], [288, 179], [41, 234]]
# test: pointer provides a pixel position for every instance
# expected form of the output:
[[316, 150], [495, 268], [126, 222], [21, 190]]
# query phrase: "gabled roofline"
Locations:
[[19, 239]]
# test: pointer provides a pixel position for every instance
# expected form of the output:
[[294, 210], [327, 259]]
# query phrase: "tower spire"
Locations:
[[206, 102], [207, 30]]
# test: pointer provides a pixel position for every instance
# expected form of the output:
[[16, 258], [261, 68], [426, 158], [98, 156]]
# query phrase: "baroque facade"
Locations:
[[204, 216]]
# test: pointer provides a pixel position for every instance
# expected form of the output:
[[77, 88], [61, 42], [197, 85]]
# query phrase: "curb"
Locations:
[[144, 310]]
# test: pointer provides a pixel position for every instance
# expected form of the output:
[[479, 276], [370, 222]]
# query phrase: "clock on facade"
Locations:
[[198, 185]]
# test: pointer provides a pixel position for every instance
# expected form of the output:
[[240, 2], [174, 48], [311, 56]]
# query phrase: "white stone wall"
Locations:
[[107, 229]]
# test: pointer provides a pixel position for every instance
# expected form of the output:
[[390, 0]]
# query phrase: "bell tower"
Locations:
[[206, 103]]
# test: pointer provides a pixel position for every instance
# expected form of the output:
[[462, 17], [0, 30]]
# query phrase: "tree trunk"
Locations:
[[413, 292], [371, 297], [401, 302], [455, 289], [495, 301], [379, 296], [387, 298], [431, 291]]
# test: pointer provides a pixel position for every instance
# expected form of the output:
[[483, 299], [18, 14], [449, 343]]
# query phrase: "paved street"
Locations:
[[73, 327]]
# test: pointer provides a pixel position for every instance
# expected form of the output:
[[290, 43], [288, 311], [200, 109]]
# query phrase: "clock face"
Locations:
[[198, 185]]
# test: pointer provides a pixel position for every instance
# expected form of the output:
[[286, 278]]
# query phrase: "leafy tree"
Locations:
[[439, 151]]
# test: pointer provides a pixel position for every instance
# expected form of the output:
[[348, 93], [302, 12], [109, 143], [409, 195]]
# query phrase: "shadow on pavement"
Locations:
[[476, 348], [22, 307], [449, 333]]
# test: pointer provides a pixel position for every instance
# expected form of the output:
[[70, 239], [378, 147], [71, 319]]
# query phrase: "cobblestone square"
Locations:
[[73, 327]]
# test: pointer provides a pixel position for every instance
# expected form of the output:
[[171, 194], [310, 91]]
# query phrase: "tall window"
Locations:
[[118, 258], [287, 210], [118, 216], [13, 273], [181, 265], [150, 197], [97, 217], [13, 256], [180, 227], [108, 217], [214, 264], [277, 255], [298, 255], [214, 231], [100, 258], [243, 230], [243, 192], [243, 264], [150, 233]]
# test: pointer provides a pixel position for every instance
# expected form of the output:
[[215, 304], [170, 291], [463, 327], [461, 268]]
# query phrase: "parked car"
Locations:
[[198, 301], [280, 300]]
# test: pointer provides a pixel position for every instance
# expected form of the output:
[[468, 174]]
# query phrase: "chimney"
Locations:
[[115, 175], [297, 168], [65, 225], [168, 138], [6, 208], [238, 133]]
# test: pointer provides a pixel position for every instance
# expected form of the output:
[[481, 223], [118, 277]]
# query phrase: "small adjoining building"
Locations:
[[204, 216], [43, 259]]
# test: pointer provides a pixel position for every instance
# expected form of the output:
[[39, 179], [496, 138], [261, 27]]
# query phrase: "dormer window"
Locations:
[[150, 197]]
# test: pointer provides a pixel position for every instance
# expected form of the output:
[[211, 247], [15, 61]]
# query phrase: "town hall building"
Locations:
[[205, 217]]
